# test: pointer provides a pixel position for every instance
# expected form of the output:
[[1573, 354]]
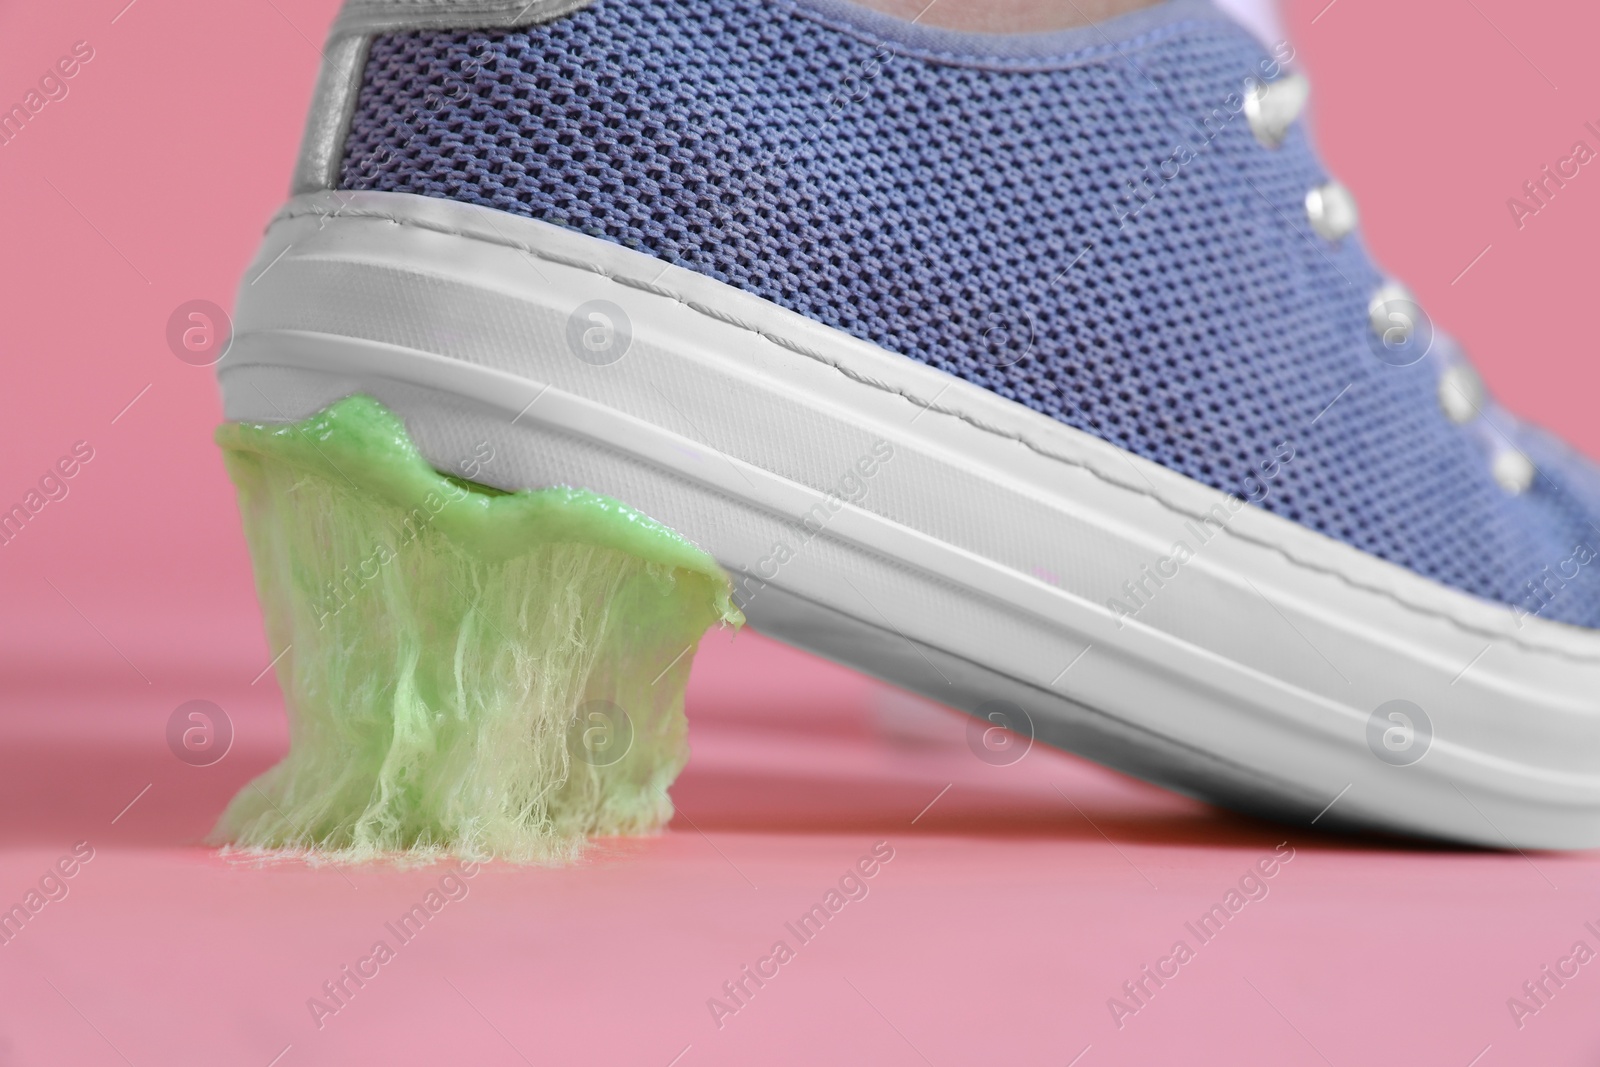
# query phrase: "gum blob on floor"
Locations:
[[468, 671]]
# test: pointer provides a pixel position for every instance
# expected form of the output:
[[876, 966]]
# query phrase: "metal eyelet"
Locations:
[[1513, 471], [1396, 327], [1331, 210], [1461, 394], [1272, 107]]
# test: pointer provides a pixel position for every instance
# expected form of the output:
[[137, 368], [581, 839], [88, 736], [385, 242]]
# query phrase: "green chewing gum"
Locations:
[[468, 671]]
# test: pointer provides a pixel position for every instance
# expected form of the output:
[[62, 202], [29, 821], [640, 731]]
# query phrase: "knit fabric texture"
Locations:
[[1095, 234]]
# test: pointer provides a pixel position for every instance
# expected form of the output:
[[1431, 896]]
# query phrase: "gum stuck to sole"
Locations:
[[468, 671]]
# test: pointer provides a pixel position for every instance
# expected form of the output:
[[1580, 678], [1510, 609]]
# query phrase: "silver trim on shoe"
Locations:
[[369, 17], [345, 58], [328, 122]]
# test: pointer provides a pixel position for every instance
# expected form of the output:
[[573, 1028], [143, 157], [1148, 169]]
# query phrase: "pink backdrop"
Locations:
[[1014, 906]]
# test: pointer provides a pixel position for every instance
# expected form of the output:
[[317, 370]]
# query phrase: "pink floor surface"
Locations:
[[1019, 899]]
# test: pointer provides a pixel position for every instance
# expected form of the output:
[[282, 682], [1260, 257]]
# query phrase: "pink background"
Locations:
[[1010, 912]]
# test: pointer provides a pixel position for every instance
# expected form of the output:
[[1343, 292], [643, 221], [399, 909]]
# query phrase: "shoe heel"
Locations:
[[466, 671]]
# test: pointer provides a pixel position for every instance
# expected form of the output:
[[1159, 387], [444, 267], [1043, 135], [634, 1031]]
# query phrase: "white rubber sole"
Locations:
[[970, 548]]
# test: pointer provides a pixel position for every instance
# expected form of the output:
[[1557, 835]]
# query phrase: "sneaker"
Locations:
[[1044, 375]]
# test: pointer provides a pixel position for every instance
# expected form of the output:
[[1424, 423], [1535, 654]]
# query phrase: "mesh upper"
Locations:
[[978, 214]]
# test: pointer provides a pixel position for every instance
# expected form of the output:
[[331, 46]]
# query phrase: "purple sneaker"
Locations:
[[1045, 375]]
